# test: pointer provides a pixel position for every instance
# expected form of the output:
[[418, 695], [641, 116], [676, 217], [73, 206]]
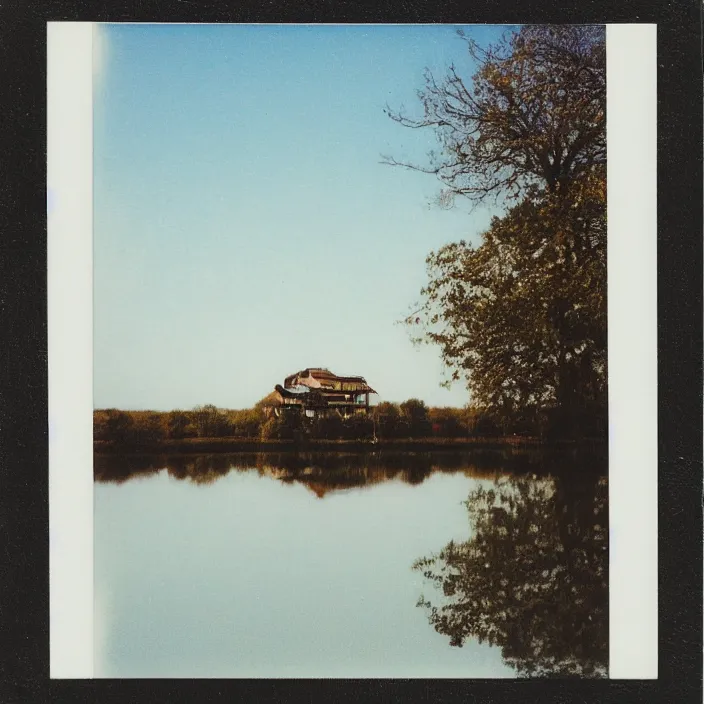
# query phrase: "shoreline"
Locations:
[[231, 444]]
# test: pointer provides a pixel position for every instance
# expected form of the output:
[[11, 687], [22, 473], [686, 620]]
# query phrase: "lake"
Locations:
[[437, 564]]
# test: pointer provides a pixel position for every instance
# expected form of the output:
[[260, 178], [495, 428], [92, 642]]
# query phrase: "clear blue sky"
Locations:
[[244, 227]]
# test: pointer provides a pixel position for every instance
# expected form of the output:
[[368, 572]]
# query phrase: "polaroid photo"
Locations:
[[336, 389]]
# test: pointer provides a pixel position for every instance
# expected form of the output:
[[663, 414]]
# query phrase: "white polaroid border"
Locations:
[[632, 228], [631, 182], [70, 342]]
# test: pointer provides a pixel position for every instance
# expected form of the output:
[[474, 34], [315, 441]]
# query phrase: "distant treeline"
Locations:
[[410, 419]]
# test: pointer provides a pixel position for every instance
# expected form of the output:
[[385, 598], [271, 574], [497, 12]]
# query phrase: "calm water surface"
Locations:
[[350, 566]]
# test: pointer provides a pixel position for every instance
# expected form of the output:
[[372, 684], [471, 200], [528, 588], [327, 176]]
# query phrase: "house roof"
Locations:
[[321, 374]]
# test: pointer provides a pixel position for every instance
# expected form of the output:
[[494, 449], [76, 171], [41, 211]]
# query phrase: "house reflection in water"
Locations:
[[316, 391]]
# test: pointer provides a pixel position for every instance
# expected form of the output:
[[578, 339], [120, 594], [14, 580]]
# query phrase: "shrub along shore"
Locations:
[[409, 426]]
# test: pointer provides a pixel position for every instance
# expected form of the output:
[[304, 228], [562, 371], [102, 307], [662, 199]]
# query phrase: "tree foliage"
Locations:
[[410, 419], [532, 580], [129, 428], [415, 414], [534, 114], [287, 426], [522, 316]]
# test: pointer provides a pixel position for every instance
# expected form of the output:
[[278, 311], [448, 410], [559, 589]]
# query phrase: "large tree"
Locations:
[[522, 317]]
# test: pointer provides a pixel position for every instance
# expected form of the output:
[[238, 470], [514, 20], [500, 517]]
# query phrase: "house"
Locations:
[[317, 391]]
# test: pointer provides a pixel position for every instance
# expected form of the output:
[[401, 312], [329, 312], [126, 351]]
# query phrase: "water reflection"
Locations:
[[531, 580], [320, 472], [533, 577], [328, 471]]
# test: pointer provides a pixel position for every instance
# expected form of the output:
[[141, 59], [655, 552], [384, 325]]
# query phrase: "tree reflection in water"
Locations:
[[322, 473], [533, 578]]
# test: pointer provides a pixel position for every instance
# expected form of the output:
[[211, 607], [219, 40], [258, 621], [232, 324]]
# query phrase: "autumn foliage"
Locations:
[[411, 419], [521, 316]]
